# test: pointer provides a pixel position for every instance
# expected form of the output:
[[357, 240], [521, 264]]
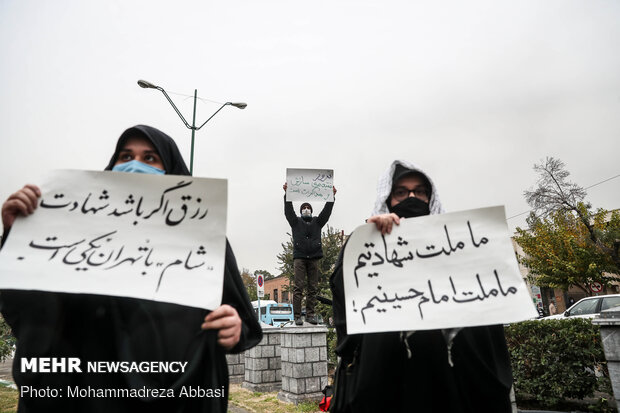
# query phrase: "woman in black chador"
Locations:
[[102, 328], [464, 370]]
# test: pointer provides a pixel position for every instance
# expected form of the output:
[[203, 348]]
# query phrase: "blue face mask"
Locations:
[[138, 167]]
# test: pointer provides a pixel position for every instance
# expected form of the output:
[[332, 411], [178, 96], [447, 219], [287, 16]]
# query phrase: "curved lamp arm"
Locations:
[[148, 85], [239, 105]]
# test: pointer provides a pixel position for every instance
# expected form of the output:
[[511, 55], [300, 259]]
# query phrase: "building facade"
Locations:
[[279, 289]]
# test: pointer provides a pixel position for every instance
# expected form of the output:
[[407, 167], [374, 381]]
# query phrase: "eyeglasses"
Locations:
[[400, 193]]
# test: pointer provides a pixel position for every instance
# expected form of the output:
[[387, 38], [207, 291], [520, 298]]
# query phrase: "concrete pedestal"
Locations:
[[609, 321], [304, 363], [262, 363], [236, 367]]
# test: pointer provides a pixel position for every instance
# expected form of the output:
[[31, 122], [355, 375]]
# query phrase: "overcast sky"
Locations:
[[474, 92]]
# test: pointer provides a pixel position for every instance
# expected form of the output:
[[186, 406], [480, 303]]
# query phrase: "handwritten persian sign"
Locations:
[[160, 238], [439, 271], [309, 185]]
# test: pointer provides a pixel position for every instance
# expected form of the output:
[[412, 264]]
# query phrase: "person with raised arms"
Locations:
[[307, 251]]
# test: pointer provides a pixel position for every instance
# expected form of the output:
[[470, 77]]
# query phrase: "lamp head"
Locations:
[[146, 85], [239, 105]]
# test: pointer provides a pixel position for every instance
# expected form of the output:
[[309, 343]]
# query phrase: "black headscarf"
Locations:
[[164, 144]]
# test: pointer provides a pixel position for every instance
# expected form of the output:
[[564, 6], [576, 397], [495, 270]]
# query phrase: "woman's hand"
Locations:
[[384, 222], [225, 319], [22, 202]]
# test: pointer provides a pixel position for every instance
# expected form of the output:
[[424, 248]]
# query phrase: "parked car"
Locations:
[[589, 307]]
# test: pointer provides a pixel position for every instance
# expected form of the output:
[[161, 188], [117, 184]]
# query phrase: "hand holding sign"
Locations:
[[225, 319], [384, 222], [22, 202]]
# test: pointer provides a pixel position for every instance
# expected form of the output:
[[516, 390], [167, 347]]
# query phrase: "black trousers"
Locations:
[[306, 276]]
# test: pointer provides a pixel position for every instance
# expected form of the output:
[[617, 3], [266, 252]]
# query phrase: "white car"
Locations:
[[589, 307]]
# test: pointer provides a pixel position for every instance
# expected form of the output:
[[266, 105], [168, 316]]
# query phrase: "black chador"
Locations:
[[464, 370]]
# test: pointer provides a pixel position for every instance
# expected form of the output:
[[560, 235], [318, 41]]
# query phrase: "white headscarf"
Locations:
[[384, 188]]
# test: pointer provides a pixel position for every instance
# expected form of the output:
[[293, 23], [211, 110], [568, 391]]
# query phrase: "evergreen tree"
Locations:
[[266, 274]]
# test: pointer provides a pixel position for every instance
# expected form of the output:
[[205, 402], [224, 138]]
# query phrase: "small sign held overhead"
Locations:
[[307, 185]]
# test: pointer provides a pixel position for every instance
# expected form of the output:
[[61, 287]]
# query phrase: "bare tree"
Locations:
[[553, 191]]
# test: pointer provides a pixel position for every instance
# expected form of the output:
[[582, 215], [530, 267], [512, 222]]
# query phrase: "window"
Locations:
[[585, 307], [610, 302], [281, 310], [275, 295], [285, 296]]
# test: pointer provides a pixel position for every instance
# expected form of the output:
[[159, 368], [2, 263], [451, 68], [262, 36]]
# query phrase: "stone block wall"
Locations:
[[236, 367], [304, 363], [263, 363]]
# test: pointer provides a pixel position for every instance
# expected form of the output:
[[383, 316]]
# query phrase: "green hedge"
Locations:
[[556, 360]]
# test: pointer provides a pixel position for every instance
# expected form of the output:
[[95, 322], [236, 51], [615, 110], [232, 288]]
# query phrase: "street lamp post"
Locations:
[[149, 85]]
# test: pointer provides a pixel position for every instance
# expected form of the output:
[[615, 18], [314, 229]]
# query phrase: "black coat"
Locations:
[[307, 232], [103, 328]]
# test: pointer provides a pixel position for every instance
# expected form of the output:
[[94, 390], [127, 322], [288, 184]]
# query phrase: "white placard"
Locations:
[[160, 238], [439, 271], [310, 185]]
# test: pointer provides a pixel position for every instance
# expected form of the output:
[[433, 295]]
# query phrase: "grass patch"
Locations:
[[308, 407], [8, 399], [266, 402]]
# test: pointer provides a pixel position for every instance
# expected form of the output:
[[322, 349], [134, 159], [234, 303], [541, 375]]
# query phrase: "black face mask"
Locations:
[[410, 207]]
